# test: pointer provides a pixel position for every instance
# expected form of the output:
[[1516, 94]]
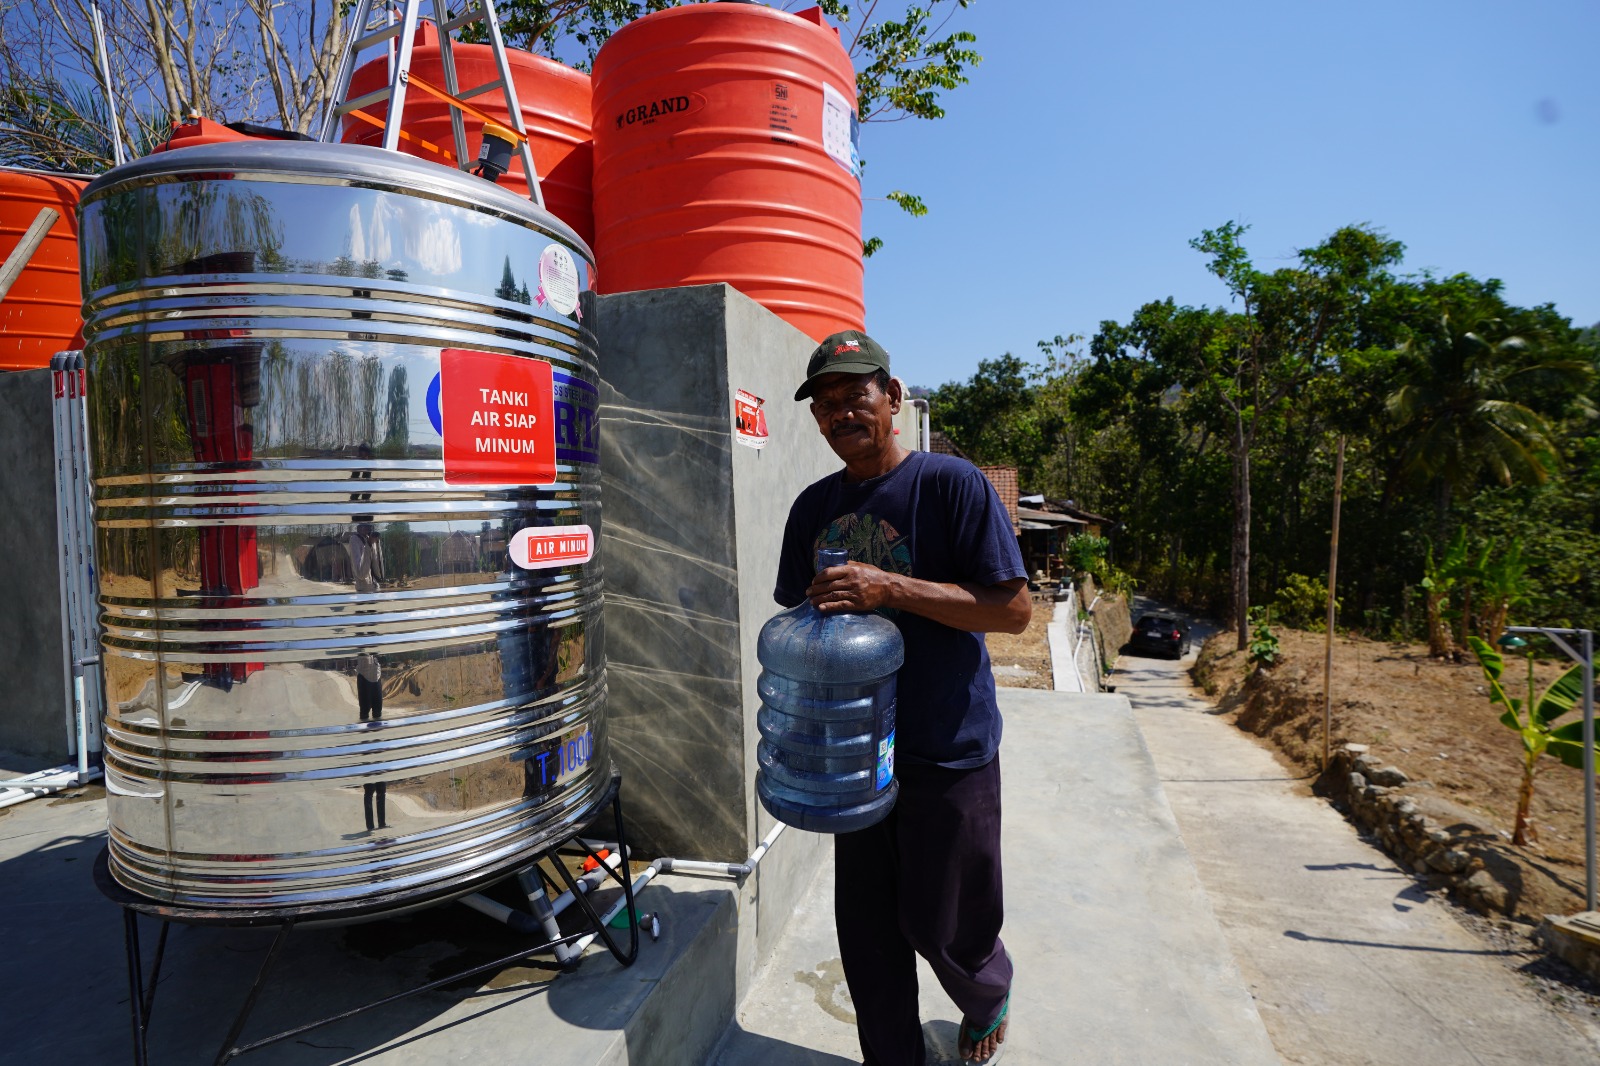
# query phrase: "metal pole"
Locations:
[[119, 154], [1588, 770], [58, 414], [86, 623], [1333, 580]]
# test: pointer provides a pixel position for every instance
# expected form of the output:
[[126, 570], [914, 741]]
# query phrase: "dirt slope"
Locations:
[[1433, 720]]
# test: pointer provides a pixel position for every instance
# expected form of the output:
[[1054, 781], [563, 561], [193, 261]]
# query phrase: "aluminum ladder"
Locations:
[[401, 35]]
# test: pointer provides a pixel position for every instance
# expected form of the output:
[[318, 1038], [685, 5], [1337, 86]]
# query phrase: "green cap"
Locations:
[[847, 352]]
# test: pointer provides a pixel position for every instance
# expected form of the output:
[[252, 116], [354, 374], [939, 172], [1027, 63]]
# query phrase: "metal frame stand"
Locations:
[[142, 989]]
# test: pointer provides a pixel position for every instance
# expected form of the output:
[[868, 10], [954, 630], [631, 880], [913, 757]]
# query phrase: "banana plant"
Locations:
[[1504, 586], [1535, 720], [1454, 572]]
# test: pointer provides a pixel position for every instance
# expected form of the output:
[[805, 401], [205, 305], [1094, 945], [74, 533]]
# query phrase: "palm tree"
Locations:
[[1466, 411], [45, 125]]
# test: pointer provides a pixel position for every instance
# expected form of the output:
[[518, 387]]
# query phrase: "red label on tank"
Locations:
[[497, 413]]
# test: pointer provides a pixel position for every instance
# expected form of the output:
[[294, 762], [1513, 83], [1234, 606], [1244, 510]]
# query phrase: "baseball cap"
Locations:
[[847, 352]]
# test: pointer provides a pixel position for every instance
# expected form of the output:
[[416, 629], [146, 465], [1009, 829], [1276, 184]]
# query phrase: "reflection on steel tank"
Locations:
[[342, 418], [725, 151]]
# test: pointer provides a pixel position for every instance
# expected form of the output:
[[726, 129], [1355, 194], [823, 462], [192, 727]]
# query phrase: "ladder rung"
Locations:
[[362, 101], [466, 18], [369, 39], [468, 94]]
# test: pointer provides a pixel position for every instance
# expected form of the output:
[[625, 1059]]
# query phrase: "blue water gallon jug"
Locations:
[[826, 755]]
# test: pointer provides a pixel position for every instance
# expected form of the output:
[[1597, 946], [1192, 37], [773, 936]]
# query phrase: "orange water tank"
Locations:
[[725, 152], [555, 112], [40, 314]]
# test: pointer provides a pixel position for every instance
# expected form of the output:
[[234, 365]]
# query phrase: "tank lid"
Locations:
[[336, 164]]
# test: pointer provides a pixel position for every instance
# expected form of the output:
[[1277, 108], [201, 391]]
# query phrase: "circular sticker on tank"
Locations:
[[558, 280]]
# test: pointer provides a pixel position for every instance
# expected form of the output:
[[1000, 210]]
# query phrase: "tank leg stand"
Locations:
[[230, 1047], [141, 998], [622, 875]]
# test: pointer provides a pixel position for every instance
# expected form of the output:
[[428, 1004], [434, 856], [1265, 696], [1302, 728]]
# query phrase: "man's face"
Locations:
[[855, 415]]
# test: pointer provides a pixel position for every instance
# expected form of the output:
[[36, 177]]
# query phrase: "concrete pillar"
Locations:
[[691, 529]]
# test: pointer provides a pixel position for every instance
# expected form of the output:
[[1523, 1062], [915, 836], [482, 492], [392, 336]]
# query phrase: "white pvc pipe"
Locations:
[[664, 865], [35, 785], [587, 882]]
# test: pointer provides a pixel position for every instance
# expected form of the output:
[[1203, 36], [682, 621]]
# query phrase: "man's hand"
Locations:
[[851, 587]]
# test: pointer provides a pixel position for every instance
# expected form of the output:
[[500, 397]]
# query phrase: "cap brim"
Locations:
[[835, 368]]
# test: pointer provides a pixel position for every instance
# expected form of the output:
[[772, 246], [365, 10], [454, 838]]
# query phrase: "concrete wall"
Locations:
[[692, 526], [33, 718]]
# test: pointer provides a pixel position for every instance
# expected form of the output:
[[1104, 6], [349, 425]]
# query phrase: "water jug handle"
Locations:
[[827, 557]]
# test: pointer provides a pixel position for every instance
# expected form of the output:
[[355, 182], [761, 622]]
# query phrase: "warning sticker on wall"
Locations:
[[840, 135], [497, 417], [546, 546], [749, 420]]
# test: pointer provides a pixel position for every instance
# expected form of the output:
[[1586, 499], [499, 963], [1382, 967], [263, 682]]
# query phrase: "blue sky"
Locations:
[[1096, 139]]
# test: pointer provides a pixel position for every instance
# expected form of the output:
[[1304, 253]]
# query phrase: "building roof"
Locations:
[[1067, 507], [1045, 519], [1004, 480], [939, 441]]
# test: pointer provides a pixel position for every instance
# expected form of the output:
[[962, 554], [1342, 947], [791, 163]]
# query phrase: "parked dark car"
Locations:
[[1160, 634]]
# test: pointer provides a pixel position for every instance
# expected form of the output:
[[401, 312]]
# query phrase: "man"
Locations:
[[932, 547]]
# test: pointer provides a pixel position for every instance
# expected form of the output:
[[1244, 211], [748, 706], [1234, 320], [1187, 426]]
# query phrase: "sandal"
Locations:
[[972, 1034]]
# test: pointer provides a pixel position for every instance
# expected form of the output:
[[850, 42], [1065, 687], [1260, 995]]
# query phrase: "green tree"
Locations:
[[1469, 408], [1291, 325]]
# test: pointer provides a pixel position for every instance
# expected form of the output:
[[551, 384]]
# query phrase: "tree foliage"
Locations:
[[252, 60], [1200, 426]]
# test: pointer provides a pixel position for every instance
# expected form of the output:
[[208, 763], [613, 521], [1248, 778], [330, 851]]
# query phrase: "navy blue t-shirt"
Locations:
[[935, 518]]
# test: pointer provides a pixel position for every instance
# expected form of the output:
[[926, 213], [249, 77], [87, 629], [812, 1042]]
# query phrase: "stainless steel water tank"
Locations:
[[347, 495]]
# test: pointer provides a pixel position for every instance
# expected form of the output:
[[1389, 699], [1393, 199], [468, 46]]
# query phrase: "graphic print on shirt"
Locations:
[[868, 540]]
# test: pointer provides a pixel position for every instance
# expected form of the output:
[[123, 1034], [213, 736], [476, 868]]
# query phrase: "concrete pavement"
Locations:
[[1350, 961], [1119, 959]]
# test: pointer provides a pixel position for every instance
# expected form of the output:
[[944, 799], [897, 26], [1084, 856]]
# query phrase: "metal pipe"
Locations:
[[923, 432], [58, 416], [517, 920], [119, 153], [1588, 771], [525, 922], [27, 789]]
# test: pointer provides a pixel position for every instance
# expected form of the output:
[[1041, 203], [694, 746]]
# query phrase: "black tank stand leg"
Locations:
[[230, 1047], [623, 876], [141, 996]]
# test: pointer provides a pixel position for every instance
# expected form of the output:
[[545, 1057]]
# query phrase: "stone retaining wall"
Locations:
[[1437, 840]]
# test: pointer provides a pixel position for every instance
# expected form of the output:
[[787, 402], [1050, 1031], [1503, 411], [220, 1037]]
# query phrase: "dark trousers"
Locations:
[[375, 796], [924, 881]]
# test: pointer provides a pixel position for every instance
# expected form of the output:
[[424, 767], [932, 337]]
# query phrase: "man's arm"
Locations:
[[1002, 608]]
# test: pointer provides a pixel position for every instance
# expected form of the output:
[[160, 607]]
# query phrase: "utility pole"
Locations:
[[1333, 579]]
